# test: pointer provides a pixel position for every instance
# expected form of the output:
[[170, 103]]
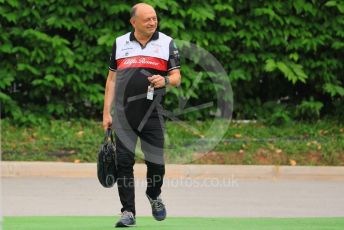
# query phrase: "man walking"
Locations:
[[143, 63]]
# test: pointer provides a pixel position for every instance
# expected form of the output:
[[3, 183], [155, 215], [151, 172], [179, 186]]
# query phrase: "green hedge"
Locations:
[[284, 58]]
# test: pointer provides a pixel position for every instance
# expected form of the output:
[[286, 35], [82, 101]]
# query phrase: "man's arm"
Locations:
[[173, 66], [175, 77], [109, 98], [158, 81]]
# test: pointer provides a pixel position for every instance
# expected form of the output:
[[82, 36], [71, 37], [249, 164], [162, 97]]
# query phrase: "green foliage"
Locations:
[[280, 115], [293, 72], [54, 55], [309, 109], [55, 58]]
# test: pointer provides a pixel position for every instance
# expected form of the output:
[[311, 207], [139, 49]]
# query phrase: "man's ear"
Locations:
[[132, 21]]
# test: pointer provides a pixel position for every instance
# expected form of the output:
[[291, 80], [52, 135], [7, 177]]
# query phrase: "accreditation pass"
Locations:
[[150, 92]]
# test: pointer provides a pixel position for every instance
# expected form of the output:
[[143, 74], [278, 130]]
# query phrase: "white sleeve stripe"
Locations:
[[176, 67], [114, 70]]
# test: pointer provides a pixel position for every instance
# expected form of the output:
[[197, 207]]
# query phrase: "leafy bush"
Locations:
[[274, 113], [309, 110], [54, 54]]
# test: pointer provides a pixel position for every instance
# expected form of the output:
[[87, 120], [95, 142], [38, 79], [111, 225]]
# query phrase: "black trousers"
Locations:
[[152, 143]]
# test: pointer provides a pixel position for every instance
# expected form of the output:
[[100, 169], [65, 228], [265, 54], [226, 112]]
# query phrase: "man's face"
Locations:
[[145, 21]]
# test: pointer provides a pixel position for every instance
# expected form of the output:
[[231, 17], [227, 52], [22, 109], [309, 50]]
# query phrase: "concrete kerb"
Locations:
[[88, 170]]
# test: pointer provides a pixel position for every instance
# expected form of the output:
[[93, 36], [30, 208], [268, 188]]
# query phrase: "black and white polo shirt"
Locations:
[[133, 64]]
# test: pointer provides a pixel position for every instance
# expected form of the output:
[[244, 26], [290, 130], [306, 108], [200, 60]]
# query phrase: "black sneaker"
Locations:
[[158, 208], [127, 220]]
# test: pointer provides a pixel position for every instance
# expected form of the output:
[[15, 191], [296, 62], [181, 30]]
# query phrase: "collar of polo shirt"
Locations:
[[155, 36]]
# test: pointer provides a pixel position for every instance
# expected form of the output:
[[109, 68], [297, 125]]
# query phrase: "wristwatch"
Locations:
[[167, 80]]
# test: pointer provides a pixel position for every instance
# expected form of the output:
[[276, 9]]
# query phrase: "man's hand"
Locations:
[[158, 81], [107, 121]]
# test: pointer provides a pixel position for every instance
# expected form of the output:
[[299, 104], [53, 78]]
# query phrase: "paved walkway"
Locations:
[[211, 191]]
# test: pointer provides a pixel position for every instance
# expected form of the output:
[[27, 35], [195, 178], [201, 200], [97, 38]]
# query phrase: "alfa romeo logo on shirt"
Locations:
[[132, 61]]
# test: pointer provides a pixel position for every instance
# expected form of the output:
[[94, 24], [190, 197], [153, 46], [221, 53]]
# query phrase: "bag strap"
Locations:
[[108, 135]]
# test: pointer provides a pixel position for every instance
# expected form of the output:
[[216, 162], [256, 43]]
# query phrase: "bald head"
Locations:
[[144, 20], [141, 8]]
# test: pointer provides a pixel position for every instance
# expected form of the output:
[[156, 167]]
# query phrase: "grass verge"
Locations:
[[319, 143]]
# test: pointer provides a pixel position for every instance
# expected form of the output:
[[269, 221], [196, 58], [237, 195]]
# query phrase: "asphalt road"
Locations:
[[231, 197]]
